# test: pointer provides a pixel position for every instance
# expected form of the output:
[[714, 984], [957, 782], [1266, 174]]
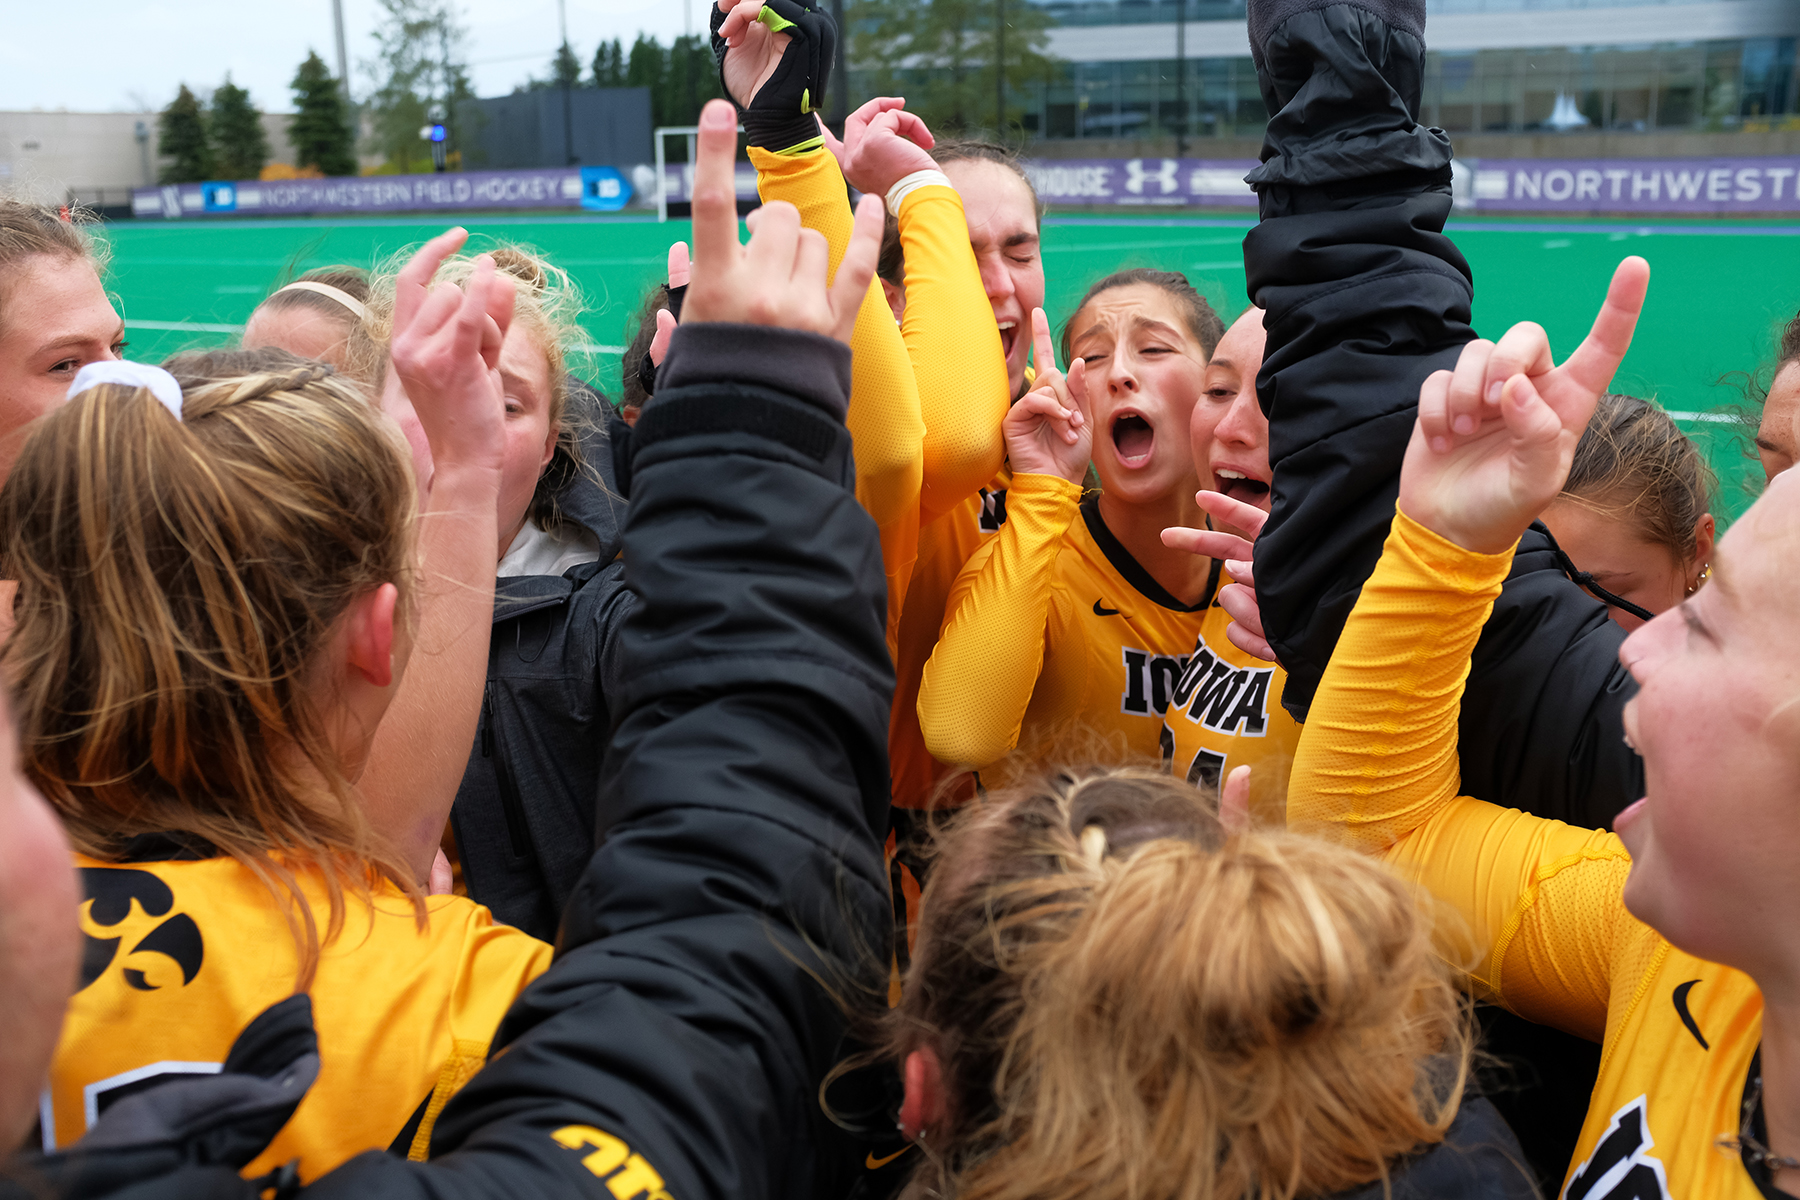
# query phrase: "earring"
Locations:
[[1705, 574]]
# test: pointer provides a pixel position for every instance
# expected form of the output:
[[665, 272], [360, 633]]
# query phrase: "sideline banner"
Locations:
[[560, 187], [1572, 186], [1637, 185], [1144, 182]]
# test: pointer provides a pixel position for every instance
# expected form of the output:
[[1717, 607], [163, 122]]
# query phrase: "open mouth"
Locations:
[[1133, 437], [1009, 336], [1240, 486]]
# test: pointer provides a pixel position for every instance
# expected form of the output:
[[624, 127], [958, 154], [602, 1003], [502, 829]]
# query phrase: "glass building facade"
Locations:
[[1705, 84]]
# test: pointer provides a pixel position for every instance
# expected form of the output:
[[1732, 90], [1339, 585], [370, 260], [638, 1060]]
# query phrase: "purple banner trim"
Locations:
[[1141, 182], [555, 188], [1636, 185]]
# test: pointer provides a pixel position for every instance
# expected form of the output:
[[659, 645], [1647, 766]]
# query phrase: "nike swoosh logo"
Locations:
[[1687, 1018], [875, 1164], [1104, 612]]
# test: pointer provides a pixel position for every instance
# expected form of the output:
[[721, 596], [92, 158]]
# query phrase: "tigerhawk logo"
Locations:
[[1620, 1168], [1212, 692], [126, 903]]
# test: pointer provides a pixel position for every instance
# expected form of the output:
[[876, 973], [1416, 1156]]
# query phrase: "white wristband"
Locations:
[[910, 183]]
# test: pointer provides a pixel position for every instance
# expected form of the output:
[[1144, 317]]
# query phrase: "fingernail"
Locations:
[[1440, 445], [1493, 396], [1464, 425]]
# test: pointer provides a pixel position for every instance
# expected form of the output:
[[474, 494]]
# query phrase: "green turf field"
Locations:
[[1718, 289]]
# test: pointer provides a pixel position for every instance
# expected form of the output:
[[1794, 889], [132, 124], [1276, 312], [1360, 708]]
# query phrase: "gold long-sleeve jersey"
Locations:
[[1542, 901], [1061, 645], [926, 396], [183, 954]]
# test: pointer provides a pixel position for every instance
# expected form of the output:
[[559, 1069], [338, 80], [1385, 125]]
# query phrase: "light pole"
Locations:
[[337, 21], [562, 18], [1181, 117], [840, 89], [1000, 70]]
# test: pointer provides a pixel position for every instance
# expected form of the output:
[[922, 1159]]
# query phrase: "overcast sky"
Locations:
[[111, 55]]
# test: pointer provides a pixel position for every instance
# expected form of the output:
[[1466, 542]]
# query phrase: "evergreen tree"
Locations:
[[181, 137], [240, 145], [320, 131], [565, 71], [692, 78], [609, 65], [647, 67]]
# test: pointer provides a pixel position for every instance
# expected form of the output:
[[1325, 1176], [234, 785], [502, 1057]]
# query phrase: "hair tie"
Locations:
[[325, 289], [1093, 843], [155, 380]]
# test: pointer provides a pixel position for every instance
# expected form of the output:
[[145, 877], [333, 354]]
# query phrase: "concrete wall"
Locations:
[[46, 155]]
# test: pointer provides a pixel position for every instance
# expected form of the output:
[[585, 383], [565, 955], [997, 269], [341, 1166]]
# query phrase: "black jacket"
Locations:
[[1365, 297], [677, 1044], [524, 812]]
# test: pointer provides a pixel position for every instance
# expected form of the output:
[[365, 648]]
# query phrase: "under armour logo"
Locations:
[[1136, 177]]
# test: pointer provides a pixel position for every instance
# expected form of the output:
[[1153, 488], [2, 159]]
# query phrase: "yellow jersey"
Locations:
[[1225, 712], [926, 396], [1543, 901], [182, 954], [1060, 644]]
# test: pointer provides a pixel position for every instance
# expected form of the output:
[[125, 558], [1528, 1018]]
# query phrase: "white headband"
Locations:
[[325, 289], [155, 380]]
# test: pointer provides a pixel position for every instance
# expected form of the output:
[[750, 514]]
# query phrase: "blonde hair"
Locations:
[[177, 583], [31, 230], [1634, 462], [547, 302], [1128, 1002]]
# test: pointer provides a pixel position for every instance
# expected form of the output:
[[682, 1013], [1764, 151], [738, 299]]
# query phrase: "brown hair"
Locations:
[[643, 331], [352, 281], [1128, 1002], [30, 230], [546, 302], [891, 265], [1201, 320], [177, 581], [1633, 461]]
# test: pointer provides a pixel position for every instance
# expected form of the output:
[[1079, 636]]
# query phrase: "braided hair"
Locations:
[[178, 580]]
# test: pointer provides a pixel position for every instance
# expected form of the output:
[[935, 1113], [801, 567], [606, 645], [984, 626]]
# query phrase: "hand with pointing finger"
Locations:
[[1237, 598], [780, 276], [1494, 439], [1048, 431]]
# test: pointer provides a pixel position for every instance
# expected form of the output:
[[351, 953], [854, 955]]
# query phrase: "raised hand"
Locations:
[[775, 60], [1232, 540], [781, 277], [1048, 431], [445, 351], [883, 144], [754, 52], [679, 268], [1494, 438]]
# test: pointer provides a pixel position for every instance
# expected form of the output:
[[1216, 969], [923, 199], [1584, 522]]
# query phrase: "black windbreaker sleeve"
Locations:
[[677, 1044], [1365, 297]]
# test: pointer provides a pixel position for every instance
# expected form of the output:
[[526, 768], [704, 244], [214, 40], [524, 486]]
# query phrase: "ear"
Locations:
[[1705, 535], [369, 634], [896, 298], [923, 1109], [549, 445]]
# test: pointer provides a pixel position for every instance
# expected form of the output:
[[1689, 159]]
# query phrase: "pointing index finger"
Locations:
[[715, 194], [1043, 354], [1600, 353]]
